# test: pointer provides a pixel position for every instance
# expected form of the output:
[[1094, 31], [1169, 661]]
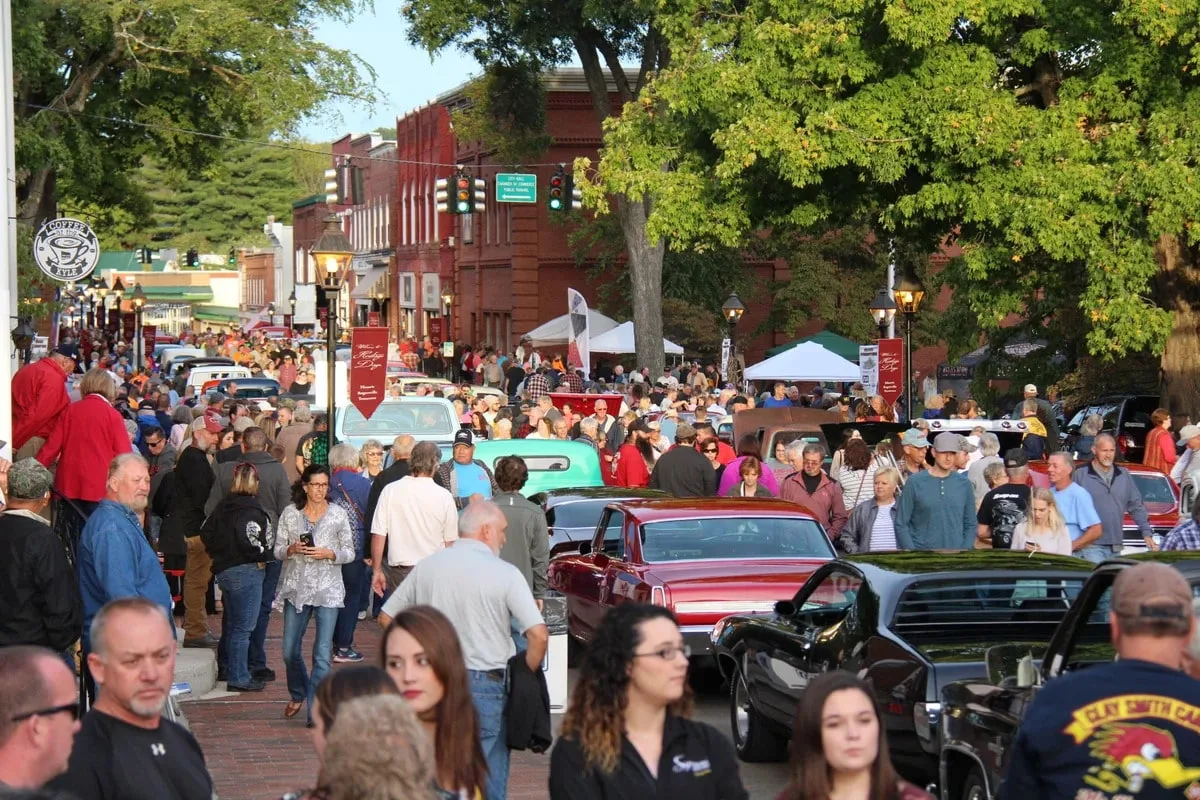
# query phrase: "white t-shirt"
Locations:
[[417, 516]]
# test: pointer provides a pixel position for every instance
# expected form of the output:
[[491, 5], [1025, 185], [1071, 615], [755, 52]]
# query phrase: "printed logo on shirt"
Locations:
[[1129, 753], [158, 750], [697, 768]]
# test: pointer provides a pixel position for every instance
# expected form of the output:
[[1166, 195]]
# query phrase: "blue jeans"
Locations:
[[490, 696], [1098, 553], [353, 576], [258, 639], [241, 594], [295, 621]]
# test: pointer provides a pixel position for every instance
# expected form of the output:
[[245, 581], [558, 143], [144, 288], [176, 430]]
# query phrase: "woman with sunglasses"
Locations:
[[314, 540], [627, 732], [372, 458], [712, 452]]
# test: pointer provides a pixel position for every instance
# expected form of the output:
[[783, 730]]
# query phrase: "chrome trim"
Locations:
[[658, 596]]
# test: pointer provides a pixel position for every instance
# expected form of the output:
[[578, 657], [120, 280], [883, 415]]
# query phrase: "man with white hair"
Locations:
[[989, 448], [483, 596], [589, 431]]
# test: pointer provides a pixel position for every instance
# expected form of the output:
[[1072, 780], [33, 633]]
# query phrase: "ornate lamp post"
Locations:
[[909, 292], [138, 301], [732, 310], [332, 253], [291, 320], [883, 311]]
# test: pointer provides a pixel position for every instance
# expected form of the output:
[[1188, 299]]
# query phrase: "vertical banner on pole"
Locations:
[[373, 319], [368, 368], [435, 330], [726, 351], [891, 369], [578, 337], [868, 363]]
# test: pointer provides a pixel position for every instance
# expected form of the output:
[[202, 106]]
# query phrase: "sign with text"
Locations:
[[435, 330], [513, 187], [868, 363], [368, 368], [891, 369], [372, 319]]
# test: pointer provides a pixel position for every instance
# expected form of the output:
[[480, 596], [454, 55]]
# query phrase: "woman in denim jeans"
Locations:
[[239, 540], [314, 541]]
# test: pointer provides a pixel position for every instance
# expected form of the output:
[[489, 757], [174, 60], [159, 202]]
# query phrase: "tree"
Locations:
[[516, 39], [1057, 141]]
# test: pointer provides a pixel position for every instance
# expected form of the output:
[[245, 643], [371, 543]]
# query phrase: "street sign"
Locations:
[[513, 187]]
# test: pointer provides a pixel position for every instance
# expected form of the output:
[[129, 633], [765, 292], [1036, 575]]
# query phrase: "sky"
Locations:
[[405, 76]]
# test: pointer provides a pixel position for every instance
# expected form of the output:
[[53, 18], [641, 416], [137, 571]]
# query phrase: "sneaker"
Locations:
[[253, 686], [362, 615], [347, 655], [266, 675]]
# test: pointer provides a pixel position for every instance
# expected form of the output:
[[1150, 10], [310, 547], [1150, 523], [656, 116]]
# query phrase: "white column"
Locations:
[[8, 230]]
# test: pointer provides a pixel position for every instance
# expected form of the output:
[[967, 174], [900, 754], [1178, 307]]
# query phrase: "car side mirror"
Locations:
[[785, 608], [585, 548], [1011, 666]]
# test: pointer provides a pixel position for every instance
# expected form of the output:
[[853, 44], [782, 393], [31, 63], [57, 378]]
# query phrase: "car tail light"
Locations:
[[658, 596], [1124, 443]]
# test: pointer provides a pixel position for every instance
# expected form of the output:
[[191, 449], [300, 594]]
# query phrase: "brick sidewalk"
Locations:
[[253, 753]]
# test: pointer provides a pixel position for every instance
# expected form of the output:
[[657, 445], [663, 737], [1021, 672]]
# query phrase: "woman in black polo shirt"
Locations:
[[626, 733]]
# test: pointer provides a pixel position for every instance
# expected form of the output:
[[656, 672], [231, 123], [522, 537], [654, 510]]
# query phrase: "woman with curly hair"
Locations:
[[422, 653], [627, 732], [839, 747]]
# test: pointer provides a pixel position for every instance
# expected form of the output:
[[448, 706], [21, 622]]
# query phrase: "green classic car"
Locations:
[[552, 463]]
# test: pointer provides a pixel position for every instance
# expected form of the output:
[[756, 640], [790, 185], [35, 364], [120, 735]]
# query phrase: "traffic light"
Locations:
[[141, 255], [147, 256], [192, 258], [563, 193], [480, 194], [441, 194], [232, 257], [460, 193], [333, 187]]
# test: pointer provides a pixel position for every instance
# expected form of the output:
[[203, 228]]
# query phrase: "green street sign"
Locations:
[[512, 187]]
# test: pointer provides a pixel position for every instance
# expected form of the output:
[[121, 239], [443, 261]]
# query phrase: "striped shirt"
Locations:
[[883, 533]]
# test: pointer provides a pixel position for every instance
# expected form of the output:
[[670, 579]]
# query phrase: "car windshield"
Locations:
[[1156, 490], [577, 513], [733, 538], [432, 420]]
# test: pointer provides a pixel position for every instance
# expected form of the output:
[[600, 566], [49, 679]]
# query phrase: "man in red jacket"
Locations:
[[39, 400]]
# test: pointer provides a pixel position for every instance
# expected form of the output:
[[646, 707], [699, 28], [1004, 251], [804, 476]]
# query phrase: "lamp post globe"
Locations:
[[332, 253]]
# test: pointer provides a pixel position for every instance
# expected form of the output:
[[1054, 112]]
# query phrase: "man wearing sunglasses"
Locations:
[[39, 713]]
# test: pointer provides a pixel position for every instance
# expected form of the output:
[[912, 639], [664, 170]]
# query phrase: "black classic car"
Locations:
[[573, 514], [909, 623], [980, 717]]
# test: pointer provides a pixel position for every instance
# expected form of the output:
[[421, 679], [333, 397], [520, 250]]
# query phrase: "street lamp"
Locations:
[[138, 301], [291, 320], [332, 253], [883, 311], [271, 312], [732, 310], [909, 292], [22, 337], [447, 302]]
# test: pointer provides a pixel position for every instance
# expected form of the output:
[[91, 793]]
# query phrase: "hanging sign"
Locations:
[[373, 319], [368, 368], [891, 369], [868, 363], [66, 249]]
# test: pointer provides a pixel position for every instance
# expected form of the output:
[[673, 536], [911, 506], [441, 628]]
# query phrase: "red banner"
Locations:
[[372, 319], [435, 330], [368, 368], [891, 369]]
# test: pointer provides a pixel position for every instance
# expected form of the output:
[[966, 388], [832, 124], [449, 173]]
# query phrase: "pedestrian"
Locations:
[[527, 538], [1160, 446], [966, 450], [1188, 463], [778, 398], [683, 472], [627, 731], [1043, 530], [41, 605], [632, 462], [1075, 503], [936, 510], [1114, 494], [1128, 721], [89, 436], [839, 747], [423, 654], [181, 423], [377, 751], [313, 447], [402, 447], [1006, 504], [1185, 535], [871, 526], [1045, 414], [604, 421], [751, 472], [372, 459], [289, 438], [589, 433], [748, 447], [705, 432], [125, 750], [989, 449], [480, 594], [40, 400], [536, 385], [350, 491], [240, 539], [914, 447], [1091, 425], [465, 477], [39, 717], [858, 467], [314, 539], [810, 487]]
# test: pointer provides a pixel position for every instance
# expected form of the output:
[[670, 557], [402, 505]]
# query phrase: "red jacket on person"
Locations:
[[91, 435], [630, 470], [39, 400]]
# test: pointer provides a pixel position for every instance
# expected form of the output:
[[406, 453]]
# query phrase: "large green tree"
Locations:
[[619, 46], [1056, 140]]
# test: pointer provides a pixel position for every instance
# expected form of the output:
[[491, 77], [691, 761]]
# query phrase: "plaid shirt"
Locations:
[[1184, 536], [536, 385], [573, 383]]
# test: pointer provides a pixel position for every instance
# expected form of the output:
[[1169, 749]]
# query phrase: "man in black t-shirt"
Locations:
[[125, 750], [1005, 505]]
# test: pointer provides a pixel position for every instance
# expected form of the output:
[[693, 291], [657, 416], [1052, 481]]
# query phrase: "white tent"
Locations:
[[555, 331], [620, 340], [805, 362]]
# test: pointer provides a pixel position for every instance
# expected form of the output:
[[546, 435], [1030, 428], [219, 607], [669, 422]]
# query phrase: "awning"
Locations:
[[223, 314], [368, 283], [839, 345], [184, 293]]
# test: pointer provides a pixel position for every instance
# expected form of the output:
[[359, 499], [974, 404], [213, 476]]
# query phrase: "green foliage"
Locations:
[[506, 108]]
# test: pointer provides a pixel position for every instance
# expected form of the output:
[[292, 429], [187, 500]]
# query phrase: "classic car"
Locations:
[[552, 463], [1160, 495], [981, 716], [572, 513], [908, 622], [702, 558], [426, 419]]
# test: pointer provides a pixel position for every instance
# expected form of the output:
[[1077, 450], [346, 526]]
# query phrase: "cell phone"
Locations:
[[306, 539]]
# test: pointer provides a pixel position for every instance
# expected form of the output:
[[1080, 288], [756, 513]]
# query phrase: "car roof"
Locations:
[[644, 511], [1186, 561], [251, 381], [556, 496]]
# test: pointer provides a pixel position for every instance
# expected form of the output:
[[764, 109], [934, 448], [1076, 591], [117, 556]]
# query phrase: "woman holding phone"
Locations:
[[1044, 531]]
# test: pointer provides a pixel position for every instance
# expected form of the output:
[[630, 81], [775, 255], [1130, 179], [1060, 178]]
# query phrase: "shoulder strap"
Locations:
[[351, 502]]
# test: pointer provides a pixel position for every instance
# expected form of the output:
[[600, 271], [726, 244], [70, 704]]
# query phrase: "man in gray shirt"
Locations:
[[485, 598], [1114, 494]]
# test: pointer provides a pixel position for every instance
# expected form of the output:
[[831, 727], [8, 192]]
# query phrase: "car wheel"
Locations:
[[752, 739], [973, 786]]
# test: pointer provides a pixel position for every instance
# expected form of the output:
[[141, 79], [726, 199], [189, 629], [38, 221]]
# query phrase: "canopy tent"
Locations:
[[620, 340], [555, 331], [805, 362], [838, 345]]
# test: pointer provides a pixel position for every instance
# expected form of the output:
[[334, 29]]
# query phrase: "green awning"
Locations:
[[222, 314], [839, 345], [195, 294]]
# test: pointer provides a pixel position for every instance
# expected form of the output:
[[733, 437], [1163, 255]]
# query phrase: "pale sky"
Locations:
[[406, 78]]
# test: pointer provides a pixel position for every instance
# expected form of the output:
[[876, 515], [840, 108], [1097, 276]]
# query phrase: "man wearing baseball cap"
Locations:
[[1189, 459], [466, 478], [1045, 412], [936, 510], [1127, 726]]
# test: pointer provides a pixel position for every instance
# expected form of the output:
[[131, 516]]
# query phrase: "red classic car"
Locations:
[[1160, 495], [703, 558]]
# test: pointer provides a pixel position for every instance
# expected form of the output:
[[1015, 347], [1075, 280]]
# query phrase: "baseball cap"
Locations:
[[965, 445], [463, 436], [946, 443], [1153, 594], [684, 431], [67, 350], [207, 423], [1016, 457], [145, 405], [914, 438], [1030, 388], [29, 480], [1189, 432]]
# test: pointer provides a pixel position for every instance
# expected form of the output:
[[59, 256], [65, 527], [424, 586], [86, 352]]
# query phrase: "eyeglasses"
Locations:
[[375, 453], [668, 653], [155, 443], [314, 485], [710, 450], [67, 708]]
